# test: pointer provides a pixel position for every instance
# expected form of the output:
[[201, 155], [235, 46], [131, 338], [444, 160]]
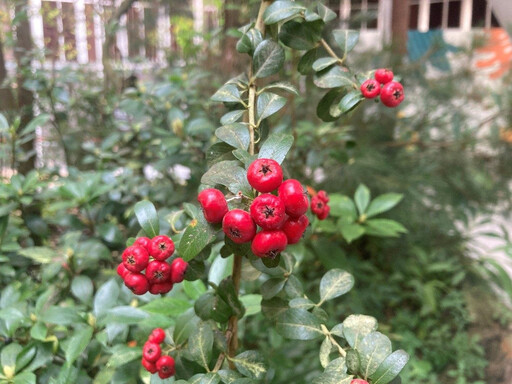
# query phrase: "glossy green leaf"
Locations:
[[42, 255], [276, 147], [301, 302], [268, 103], [210, 378], [186, 324], [333, 78], [196, 237], [305, 65], [335, 283], [252, 304], [325, 351], [125, 315], [122, 354], [229, 174], [334, 373], [355, 327], [350, 101], [25, 378], [351, 232], [250, 364], [227, 93], [323, 63], [384, 227], [362, 198], [4, 125], [193, 289], [236, 135], [383, 203], [325, 12], [301, 36], [298, 324], [106, 297], [390, 367], [200, 344], [268, 59], [227, 292], [346, 39], [272, 287], [373, 349], [342, 206], [249, 41], [82, 288], [281, 85], [34, 123], [168, 306], [77, 343], [60, 316], [274, 307], [232, 117], [147, 217], [220, 269], [325, 110], [281, 10], [26, 356]]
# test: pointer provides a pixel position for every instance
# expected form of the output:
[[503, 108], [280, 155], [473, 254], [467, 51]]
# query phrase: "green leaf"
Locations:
[[268, 104], [384, 227], [200, 345], [196, 237], [351, 232], [298, 324], [325, 13], [383, 203], [220, 269], [122, 354], [272, 287], [276, 147], [373, 349], [34, 123], [281, 10], [274, 307], [77, 344], [147, 217], [301, 36], [390, 367], [168, 306], [305, 65], [82, 288], [333, 78], [350, 101], [335, 283], [252, 304], [38, 331], [229, 174], [61, 316], [325, 351], [4, 125], [268, 59], [323, 63], [236, 135], [362, 198], [335, 373], [227, 93], [342, 206], [211, 306], [193, 289], [282, 85], [185, 325], [43, 255], [125, 315], [25, 357], [346, 39], [210, 378], [355, 327], [327, 108], [250, 364], [232, 117], [249, 41], [227, 292], [25, 378], [301, 302], [106, 297]]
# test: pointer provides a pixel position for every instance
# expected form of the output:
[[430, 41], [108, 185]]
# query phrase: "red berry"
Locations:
[[178, 270], [135, 258], [151, 367], [265, 175], [322, 195], [392, 94], [161, 247], [317, 205], [157, 336], [268, 211], [214, 205], [294, 198], [370, 88], [323, 215], [294, 228], [165, 366], [142, 241], [151, 352], [137, 283], [158, 272], [158, 288], [269, 243], [383, 75], [121, 270], [239, 226], [358, 381]]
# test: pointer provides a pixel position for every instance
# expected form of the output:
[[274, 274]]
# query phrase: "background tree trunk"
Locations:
[[399, 27], [229, 54], [6, 97]]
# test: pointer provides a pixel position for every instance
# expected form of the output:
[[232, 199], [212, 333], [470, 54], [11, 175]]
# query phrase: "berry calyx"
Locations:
[[268, 211], [239, 226], [158, 272], [264, 175], [142, 241], [294, 198], [151, 352], [370, 88], [165, 366], [269, 243], [157, 336], [161, 247], [392, 94], [151, 367], [160, 288], [122, 271], [358, 381], [383, 75], [294, 228], [135, 258], [137, 283], [178, 269], [214, 205]]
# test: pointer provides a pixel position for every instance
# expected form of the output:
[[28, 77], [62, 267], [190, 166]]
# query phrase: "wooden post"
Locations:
[[399, 26]]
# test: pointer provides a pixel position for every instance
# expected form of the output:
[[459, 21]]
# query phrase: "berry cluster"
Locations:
[[319, 205], [359, 381], [281, 218], [391, 92], [160, 275], [152, 358]]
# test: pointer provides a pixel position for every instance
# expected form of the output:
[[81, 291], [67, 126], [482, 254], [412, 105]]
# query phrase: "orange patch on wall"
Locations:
[[495, 57]]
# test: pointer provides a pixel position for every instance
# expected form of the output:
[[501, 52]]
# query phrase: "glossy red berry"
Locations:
[[165, 366], [358, 381], [137, 283], [317, 205], [370, 88], [239, 226], [392, 94], [383, 75], [161, 247], [157, 336], [142, 241], [269, 243], [323, 215], [294, 228], [151, 352], [160, 288], [294, 198], [151, 367], [122, 271], [158, 272], [265, 175], [178, 270], [322, 195], [135, 258], [268, 211], [214, 205]]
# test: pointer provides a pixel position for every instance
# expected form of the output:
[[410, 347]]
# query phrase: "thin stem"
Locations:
[[328, 334], [330, 51]]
